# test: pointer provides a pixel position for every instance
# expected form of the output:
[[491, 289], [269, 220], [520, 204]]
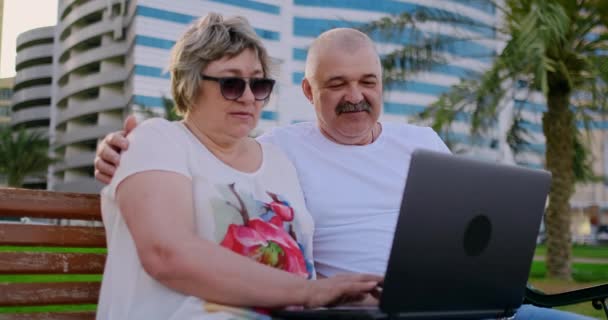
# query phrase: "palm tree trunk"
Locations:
[[558, 125]]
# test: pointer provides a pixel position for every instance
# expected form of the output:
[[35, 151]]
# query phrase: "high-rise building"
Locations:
[[93, 79], [6, 92], [1, 19], [111, 56], [31, 99]]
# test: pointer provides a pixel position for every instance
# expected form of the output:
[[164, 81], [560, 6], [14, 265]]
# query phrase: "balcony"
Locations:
[[30, 114], [85, 133]]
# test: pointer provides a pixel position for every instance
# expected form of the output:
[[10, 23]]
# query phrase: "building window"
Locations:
[[6, 93]]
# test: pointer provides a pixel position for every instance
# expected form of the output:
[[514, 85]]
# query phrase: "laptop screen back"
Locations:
[[465, 237]]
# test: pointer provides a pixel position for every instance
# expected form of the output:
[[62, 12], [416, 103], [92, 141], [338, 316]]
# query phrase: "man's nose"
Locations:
[[354, 94]]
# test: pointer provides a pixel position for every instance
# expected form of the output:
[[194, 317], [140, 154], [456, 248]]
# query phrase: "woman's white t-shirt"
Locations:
[[279, 229]]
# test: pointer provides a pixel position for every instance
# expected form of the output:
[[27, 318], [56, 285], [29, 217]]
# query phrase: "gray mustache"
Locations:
[[353, 107]]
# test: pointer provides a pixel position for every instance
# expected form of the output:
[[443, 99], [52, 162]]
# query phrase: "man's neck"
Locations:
[[362, 140]]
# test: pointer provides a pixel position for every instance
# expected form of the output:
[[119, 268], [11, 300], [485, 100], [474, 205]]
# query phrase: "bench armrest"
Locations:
[[597, 295]]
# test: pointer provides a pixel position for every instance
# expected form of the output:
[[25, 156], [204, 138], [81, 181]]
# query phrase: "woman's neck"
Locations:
[[215, 142], [232, 151]]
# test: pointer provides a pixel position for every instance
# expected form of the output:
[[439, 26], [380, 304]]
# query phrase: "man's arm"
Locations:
[[107, 157]]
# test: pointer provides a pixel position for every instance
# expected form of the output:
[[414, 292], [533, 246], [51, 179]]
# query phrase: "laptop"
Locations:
[[463, 245]]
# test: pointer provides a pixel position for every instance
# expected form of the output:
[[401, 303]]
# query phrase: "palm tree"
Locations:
[[556, 47], [170, 112], [23, 153]]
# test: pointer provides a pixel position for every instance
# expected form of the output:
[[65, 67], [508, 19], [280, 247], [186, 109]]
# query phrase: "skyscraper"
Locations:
[[6, 92], [6, 84], [111, 56], [93, 79], [31, 101], [1, 19]]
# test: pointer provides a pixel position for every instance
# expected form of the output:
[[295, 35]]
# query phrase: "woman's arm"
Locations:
[[159, 212]]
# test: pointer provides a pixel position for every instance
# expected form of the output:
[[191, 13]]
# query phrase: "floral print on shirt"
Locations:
[[261, 230]]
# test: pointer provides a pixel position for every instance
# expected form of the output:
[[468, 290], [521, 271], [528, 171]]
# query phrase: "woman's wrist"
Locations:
[[304, 292]]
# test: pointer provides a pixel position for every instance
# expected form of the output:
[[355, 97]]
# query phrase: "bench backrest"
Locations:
[[62, 252]]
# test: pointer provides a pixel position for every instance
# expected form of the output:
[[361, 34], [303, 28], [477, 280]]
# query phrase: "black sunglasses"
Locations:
[[233, 88]]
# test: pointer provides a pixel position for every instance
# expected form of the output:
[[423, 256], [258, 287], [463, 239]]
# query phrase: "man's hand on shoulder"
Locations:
[[107, 157]]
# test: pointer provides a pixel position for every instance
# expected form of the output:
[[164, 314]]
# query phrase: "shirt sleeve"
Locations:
[[155, 144], [268, 137], [439, 145]]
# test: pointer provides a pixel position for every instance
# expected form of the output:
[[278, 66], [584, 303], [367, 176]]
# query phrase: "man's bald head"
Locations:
[[344, 83], [346, 40]]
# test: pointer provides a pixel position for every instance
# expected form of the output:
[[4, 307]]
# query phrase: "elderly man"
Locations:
[[351, 167]]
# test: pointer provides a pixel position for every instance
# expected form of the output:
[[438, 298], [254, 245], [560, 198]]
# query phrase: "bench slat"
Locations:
[[30, 294], [48, 204], [51, 263], [49, 316], [50, 235]]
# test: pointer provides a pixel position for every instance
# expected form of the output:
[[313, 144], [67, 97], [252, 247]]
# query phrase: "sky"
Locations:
[[20, 16]]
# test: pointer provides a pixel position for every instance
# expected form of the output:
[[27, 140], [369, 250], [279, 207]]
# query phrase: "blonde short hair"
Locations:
[[208, 39]]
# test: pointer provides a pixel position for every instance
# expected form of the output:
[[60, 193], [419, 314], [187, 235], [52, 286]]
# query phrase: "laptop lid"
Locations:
[[465, 237]]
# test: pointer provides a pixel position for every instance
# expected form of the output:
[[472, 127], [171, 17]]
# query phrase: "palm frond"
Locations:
[[170, 111], [517, 136], [23, 153], [422, 50], [400, 64], [391, 25], [583, 161]]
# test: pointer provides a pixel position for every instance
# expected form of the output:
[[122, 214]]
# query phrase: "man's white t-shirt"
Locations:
[[279, 228], [353, 192]]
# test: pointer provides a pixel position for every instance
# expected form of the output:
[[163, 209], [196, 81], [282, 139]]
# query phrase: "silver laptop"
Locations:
[[463, 244]]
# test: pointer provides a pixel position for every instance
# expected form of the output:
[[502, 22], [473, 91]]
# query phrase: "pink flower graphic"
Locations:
[[266, 242]]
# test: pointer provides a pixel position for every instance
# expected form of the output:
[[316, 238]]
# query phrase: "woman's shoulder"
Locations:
[[154, 124], [157, 127]]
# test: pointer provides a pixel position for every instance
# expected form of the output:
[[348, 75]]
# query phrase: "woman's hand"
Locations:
[[341, 289]]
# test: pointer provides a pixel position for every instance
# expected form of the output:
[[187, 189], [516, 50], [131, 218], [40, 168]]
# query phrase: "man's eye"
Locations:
[[369, 83], [336, 85]]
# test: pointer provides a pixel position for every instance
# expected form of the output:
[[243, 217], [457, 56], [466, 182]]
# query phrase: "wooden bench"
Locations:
[[15, 203], [24, 257]]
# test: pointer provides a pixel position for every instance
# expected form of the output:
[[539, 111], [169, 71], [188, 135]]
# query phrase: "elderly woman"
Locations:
[[199, 215]]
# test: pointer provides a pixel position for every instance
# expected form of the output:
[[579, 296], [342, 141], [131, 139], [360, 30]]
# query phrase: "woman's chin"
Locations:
[[241, 132]]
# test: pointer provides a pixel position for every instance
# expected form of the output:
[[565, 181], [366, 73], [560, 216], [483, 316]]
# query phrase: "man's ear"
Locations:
[[307, 89]]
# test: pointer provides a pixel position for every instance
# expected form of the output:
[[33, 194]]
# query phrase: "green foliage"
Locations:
[[557, 48], [583, 162], [548, 46], [52, 308], [23, 153], [581, 272], [169, 111], [422, 52], [580, 251]]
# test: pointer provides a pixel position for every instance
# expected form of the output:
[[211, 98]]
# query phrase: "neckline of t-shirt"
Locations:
[[327, 142], [222, 163]]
